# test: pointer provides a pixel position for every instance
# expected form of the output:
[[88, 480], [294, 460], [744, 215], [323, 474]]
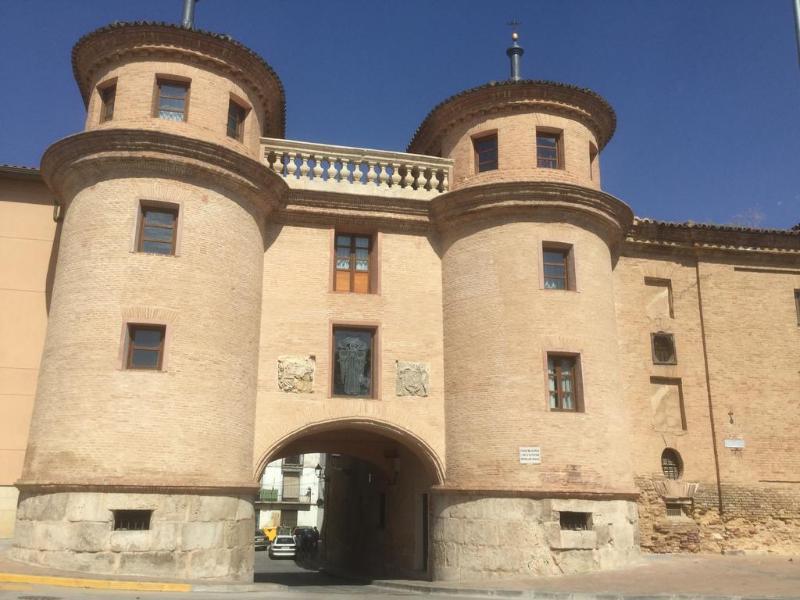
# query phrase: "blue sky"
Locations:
[[707, 92]]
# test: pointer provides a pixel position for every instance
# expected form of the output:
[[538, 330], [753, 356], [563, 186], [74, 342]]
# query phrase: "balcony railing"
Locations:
[[288, 494], [305, 165]]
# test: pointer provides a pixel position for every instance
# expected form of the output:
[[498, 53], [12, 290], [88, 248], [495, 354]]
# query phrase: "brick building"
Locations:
[[516, 374]]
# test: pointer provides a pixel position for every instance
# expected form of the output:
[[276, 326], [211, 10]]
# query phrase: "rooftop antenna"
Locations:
[[515, 51], [188, 13]]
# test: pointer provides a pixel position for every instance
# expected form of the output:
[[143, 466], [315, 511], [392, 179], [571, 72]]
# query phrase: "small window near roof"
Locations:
[[236, 116], [593, 166], [158, 226], [145, 346], [108, 95], [485, 153], [557, 267], [132, 520], [663, 348], [671, 464], [172, 99], [548, 150], [563, 380]]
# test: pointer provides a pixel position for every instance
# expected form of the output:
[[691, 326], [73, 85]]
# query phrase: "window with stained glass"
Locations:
[[353, 361], [157, 230], [562, 376], [353, 257], [172, 97]]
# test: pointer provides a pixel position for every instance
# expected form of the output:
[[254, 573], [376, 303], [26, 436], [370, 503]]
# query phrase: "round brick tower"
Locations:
[[538, 478], [152, 343]]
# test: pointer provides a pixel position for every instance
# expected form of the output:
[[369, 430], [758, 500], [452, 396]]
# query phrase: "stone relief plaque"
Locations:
[[296, 374], [412, 378]]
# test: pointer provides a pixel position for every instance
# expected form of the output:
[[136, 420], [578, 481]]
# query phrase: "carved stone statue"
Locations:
[[412, 378]]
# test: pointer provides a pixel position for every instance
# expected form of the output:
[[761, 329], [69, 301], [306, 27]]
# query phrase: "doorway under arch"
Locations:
[[377, 480]]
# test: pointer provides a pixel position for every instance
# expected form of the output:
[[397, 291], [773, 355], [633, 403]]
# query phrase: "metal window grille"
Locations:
[[674, 510], [132, 520], [671, 464], [663, 349], [575, 521]]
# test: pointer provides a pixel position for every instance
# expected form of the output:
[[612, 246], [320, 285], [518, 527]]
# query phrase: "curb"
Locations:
[[96, 584]]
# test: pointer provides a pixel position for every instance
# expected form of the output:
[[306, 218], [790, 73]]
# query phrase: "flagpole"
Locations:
[[797, 26]]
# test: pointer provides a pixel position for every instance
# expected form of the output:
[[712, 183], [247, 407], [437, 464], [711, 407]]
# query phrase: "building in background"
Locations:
[[292, 492]]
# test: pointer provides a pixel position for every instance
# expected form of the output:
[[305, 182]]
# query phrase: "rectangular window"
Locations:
[[236, 115], [172, 99], [660, 301], [132, 520], [157, 229], [575, 521], [666, 405], [145, 346], [293, 461], [485, 153], [291, 486], [353, 351], [557, 267], [353, 257], [593, 167], [563, 382], [548, 150], [674, 510], [797, 304], [663, 348], [107, 96]]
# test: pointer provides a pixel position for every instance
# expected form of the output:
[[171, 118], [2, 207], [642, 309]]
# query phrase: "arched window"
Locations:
[[671, 464]]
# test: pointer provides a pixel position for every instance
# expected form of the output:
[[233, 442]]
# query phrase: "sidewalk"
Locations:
[[679, 577], [660, 576]]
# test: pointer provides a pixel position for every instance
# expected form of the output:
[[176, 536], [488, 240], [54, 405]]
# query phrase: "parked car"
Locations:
[[260, 540], [283, 547]]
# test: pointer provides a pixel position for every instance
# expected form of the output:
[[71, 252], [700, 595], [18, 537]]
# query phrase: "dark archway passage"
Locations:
[[376, 490]]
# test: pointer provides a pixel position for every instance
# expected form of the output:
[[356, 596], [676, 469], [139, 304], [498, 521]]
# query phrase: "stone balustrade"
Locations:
[[306, 165]]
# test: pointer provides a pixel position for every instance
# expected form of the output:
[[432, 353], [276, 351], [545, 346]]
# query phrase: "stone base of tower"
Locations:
[[189, 536], [483, 536]]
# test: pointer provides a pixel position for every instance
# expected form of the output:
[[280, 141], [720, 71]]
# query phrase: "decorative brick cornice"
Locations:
[[128, 41], [70, 163], [693, 237], [530, 197], [134, 487], [630, 494], [575, 103]]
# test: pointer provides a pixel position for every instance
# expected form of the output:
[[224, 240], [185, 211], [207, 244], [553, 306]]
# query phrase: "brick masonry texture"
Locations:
[[458, 287]]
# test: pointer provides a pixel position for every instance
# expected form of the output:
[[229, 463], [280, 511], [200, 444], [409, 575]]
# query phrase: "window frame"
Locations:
[[375, 381], [797, 305], [131, 513], [171, 80], [594, 168], [663, 282], [102, 90], [130, 347], [656, 361], [245, 111], [481, 137], [558, 134], [372, 262], [577, 382], [679, 464], [167, 207], [570, 280]]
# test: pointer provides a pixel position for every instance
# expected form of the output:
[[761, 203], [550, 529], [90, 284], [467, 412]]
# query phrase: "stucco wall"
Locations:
[[27, 231]]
